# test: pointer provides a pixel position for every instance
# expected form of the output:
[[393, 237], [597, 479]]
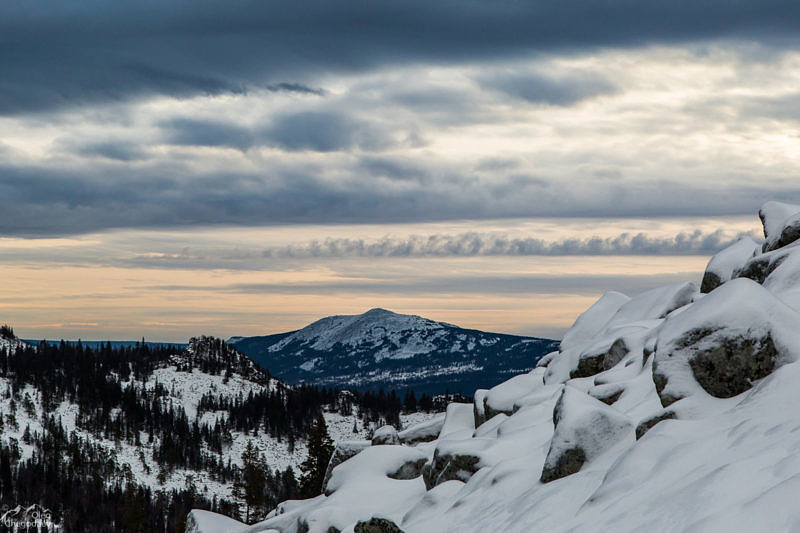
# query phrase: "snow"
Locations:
[[726, 263], [200, 521], [711, 464], [375, 328], [776, 218], [426, 430], [593, 319]]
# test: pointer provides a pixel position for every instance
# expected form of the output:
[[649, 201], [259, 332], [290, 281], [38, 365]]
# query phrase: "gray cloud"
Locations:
[[293, 87], [477, 244], [319, 131], [541, 88], [323, 132], [123, 151], [193, 132], [60, 201], [58, 54]]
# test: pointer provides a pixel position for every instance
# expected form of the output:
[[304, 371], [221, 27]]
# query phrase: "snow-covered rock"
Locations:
[[724, 264], [584, 429], [781, 224], [385, 435], [200, 521], [343, 451], [734, 336], [424, 431]]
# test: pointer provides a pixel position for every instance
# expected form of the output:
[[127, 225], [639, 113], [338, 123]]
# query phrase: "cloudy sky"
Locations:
[[181, 167]]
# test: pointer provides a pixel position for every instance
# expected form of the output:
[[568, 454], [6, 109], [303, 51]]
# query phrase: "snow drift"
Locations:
[[670, 411]]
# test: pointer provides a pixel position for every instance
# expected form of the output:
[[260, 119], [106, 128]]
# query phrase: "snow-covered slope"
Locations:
[[674, 410], [384, 349]]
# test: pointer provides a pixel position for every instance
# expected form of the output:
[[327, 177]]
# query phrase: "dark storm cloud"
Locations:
[[56, 54]]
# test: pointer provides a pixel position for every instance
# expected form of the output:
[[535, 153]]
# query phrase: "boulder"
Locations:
[[735, 335], [459, 420], [343, 451], [585, 428], [781, 224], [377, 525], [424, 431], [725, 264], [385, 435], [501, 398], [448, 467], [199, 521]]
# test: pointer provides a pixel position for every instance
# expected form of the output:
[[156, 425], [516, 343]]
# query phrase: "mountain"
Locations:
[[382, 349], [672, 410], [92, 432]]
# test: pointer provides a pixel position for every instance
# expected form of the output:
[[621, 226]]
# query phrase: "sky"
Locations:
[[177, 168]]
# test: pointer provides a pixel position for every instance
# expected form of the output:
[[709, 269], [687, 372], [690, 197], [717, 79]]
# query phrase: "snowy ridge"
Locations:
[[384, 349], [668, 411]]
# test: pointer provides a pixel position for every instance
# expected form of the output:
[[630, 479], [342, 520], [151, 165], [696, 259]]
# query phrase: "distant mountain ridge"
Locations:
[[383, 349]]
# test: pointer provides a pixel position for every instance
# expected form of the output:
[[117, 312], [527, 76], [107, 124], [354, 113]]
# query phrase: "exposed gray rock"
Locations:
[[377, 525], [759, 268], [645, 426], [409, 470], [730, 368], [711, 281], [446, 467], [593, 363], [567, 463], [588, 366]]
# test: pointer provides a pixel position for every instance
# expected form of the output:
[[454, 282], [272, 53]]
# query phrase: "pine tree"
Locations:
[[251, 486], [320, 449]]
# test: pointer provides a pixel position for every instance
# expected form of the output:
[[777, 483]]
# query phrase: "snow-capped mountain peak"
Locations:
[[383, 348]]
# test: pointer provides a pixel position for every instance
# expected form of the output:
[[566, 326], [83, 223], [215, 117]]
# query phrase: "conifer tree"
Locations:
[[320, 449], [251, 486]]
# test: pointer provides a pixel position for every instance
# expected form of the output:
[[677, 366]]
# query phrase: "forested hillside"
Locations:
[[131, 438]]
